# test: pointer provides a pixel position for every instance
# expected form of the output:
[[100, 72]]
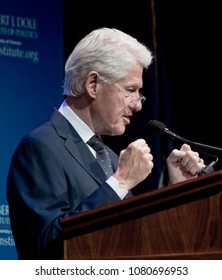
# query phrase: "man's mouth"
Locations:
[[127, 119]]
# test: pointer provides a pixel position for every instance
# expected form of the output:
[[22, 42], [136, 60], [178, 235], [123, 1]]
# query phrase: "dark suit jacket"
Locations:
[[52, 175]]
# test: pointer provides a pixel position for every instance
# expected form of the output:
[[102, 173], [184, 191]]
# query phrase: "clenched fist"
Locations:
[[135, 164]]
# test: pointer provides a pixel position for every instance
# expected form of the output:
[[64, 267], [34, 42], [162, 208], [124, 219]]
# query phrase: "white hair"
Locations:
[[108, 51]]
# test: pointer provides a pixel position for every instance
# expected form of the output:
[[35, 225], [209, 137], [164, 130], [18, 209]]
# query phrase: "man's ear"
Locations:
[[91, 83]]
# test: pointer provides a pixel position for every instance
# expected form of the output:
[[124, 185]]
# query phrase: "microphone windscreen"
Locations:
[[154, 124]]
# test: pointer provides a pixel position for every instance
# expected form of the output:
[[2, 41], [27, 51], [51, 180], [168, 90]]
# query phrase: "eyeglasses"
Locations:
[[126, 93]]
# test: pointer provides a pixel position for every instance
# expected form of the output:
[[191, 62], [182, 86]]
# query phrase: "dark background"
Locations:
[[187, 34]]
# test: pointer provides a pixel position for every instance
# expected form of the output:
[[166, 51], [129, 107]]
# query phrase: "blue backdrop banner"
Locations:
[[31, 72]]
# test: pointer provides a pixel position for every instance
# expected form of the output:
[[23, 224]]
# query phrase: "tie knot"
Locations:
[[96, 143]]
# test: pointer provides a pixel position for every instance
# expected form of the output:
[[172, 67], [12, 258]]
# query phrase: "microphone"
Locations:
[[156, 125]]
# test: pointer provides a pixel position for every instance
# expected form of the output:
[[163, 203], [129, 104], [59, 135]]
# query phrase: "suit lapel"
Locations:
[[82, 154], [76, 146]]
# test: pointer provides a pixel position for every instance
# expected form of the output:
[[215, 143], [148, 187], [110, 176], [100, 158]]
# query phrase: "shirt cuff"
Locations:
[[114, 184]]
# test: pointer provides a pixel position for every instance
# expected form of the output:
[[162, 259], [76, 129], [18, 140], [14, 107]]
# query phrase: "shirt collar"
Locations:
[[82, 129]]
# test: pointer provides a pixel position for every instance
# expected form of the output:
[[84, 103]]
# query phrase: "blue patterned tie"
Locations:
[[102, 154]]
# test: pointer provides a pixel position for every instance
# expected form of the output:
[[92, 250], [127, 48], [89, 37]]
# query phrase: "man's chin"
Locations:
[[120, 130]]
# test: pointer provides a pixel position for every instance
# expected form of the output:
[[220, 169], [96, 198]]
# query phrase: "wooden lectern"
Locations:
[[182, 221]]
